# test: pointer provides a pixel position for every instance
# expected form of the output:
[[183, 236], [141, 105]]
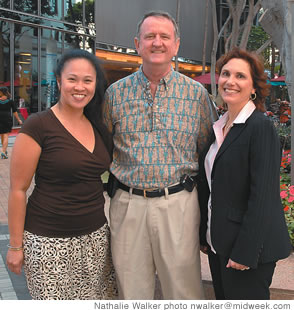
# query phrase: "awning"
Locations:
[[206, 78], [279, 79], [277, 83]]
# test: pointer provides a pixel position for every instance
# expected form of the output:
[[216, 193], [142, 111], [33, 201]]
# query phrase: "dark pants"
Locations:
[[232, 284]]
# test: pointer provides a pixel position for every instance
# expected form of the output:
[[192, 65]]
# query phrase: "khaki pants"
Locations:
[[156, 234]]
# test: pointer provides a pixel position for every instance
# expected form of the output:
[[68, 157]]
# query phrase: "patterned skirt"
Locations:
[[70, 268]]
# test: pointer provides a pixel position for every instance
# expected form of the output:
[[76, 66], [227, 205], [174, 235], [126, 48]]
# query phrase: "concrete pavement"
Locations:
[[14, 287]]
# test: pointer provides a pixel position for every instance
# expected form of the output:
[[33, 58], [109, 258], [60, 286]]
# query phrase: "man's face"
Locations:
[[157, 44]]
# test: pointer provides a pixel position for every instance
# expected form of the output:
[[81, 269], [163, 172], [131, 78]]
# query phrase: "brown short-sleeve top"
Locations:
[[67, 199]]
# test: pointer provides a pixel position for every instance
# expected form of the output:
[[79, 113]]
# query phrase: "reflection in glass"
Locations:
[[51, 8], [28, 6], [4, 54], [25, 67], [8, 14], [5, 4], [73, 11], [51, 50], [35, 86], [50, 59], [74, 14], [73, 40]]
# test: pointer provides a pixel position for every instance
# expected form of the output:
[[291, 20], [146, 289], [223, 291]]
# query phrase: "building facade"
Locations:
[[116, 25], [34, 33]]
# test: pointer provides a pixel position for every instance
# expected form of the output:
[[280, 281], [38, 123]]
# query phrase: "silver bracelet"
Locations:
[[12, 248]]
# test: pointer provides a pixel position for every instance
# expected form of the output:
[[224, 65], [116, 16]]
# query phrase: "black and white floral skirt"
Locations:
[[70, 268]]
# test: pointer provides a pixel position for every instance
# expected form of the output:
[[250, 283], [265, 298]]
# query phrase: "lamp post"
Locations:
[[291, 90]]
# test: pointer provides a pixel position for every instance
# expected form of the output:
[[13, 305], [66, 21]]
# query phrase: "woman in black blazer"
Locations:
[[243, 227]]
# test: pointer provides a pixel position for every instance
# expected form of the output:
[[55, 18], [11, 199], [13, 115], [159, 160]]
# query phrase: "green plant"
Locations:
[[284, 133]]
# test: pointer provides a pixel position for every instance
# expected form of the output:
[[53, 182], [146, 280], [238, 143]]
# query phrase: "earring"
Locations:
[[253, 96]]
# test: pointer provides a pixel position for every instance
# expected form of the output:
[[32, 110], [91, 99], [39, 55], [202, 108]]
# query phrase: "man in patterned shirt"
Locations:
[[160, 121]]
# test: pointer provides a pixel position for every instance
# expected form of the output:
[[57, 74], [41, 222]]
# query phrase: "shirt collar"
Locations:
[[245, 113], [164, 81], [241, 118]]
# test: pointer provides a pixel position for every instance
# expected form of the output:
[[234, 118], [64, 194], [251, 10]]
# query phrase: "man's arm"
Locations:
[[208, 115], [107, 110]]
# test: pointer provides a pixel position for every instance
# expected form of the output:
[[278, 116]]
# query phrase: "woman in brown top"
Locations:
[[61, 234]]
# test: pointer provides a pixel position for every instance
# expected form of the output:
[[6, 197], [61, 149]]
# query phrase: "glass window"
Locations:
[[5, 4], [73, 11], [53, 24], [74, 14], [26, 6], [90, 41], [7, 14], [4, 55], [51, 50], [25, 71], [73, 41], [51, 8]]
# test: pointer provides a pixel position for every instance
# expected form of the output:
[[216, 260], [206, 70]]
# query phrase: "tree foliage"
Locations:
[[75, 12], [235, 30], [257, 38], [75, 16]]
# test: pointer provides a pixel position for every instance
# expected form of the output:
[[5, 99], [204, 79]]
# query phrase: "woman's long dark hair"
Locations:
[[93, 110]]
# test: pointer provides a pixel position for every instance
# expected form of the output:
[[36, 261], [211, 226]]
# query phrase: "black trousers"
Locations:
[[235, 284]]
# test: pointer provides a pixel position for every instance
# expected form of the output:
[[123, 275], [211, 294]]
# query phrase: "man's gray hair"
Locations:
[[158, 14]]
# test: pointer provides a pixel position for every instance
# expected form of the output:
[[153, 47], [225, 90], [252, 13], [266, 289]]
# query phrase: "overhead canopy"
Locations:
[[7, 83], [279, 79], [17, 83], [278, 83], [206, 78]]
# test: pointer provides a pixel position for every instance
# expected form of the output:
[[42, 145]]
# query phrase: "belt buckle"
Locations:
[[145, 191]]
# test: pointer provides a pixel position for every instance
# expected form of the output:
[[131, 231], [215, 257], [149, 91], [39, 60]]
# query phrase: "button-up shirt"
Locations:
[[157, 140], [218, 127]]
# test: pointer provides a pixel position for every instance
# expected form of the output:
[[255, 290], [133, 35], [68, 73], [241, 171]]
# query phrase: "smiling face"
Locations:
[[235, 82], [157, 44], [77, 83]]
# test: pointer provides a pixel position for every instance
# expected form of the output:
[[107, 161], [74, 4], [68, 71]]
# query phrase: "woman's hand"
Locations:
[[14, 261], [234, 265]]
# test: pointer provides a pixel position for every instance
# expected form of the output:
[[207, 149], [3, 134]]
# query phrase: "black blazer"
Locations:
[[247, 221]]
